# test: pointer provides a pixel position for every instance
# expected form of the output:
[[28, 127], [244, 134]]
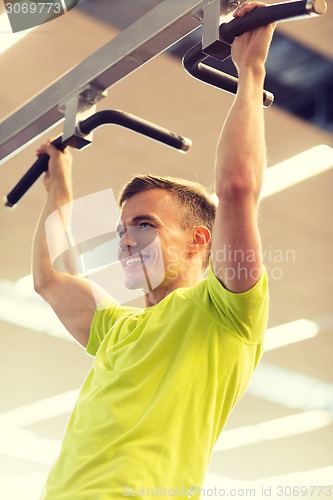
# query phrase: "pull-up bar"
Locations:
[[150, 35], [79, 90]]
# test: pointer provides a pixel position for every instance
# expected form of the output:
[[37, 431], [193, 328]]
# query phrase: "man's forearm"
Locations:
[[241, 152], [42, 267]]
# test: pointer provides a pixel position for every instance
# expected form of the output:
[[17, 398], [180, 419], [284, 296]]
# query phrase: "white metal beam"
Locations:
[[160, 28]]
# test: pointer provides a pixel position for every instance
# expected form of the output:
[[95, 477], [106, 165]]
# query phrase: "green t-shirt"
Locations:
[[162, 385]]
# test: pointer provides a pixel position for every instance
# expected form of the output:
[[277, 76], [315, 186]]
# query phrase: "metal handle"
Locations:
[[268, 14], [85, 127], [194, 58], [193, 64]]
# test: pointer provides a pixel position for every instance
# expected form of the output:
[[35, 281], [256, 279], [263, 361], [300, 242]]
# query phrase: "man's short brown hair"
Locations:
[[197, 205]]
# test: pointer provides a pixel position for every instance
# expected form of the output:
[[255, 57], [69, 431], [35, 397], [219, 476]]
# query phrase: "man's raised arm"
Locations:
[[240, 164], [71, 297]]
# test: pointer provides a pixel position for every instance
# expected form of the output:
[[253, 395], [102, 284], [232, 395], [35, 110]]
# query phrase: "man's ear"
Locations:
[[200, 238]]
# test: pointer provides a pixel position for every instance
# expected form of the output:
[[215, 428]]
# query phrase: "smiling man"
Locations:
[[165, 377], [164, 248]]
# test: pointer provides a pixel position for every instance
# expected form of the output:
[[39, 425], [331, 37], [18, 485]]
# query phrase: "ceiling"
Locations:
[[284, 420]]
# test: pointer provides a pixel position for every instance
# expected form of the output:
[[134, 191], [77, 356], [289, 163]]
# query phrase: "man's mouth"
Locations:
[[128, 262]]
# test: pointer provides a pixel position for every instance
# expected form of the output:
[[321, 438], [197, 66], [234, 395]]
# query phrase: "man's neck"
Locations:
[[155, 296]]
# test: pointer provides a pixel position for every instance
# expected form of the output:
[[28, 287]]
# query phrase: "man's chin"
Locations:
[[146, 279], [132, 282]]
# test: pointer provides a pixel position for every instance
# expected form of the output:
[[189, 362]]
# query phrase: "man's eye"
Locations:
[[144, 225], [121, 233]]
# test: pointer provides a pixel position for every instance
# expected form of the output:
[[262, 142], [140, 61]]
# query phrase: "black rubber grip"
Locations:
[[132, 122], [40, 166], [261, 16]]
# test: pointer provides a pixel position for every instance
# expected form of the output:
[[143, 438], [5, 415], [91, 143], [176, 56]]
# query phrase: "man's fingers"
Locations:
[[246, 7], [48, 148]]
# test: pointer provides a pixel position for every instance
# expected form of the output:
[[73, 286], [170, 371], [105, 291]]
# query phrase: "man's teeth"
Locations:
[[132, 260]]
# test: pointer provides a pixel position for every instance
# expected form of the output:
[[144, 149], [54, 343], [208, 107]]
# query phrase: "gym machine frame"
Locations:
[[73, 97]]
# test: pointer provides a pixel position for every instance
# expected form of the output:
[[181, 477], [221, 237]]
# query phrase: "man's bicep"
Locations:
[[236, 244], [74, 300]]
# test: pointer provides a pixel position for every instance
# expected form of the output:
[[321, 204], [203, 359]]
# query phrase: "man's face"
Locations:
[[153, 243]]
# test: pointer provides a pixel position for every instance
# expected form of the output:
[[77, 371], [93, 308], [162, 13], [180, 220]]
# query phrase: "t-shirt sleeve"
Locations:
[[107, 313], [243, 314]]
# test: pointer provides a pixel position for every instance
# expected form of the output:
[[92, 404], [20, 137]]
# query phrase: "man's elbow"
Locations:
[[238, 188], [40, 288], [42, 284]]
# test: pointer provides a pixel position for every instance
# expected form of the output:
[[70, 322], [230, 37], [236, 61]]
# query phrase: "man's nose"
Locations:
[[128, 240]]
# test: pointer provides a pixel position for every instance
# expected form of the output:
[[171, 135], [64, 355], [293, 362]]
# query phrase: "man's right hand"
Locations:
[[251, 48], [59, 172]]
